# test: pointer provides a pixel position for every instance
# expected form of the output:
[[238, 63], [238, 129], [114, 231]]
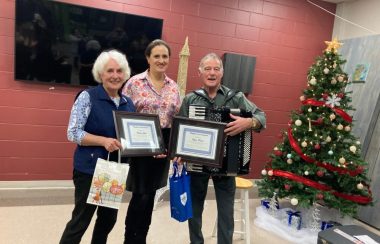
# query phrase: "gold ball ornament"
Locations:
[[333, 81], [332, 116], [264, 172], [342, 160], [326, 71], [340, 127], [357, 142], [340, 78], [289, 161], [304, 144], [310, 110], [270, 172], [347, 128], [298, 122], [328, 139], [294, 201], [313, 81], [360, 186], [353, 149]]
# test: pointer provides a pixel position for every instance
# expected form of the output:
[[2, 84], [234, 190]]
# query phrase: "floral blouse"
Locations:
[[146, 99]]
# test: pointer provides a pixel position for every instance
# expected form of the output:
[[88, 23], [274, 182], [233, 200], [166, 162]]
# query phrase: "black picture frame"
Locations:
[[197, 141], [140, 134]]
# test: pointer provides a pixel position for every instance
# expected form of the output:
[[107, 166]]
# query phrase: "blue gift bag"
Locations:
[[180, 196]]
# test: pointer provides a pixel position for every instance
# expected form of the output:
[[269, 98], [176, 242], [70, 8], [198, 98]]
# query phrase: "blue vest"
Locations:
[[100, 122]]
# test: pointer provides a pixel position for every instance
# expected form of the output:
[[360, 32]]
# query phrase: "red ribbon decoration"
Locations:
[[301, 179], [322, 187], [338, 111], [353, 198], [327, 166]]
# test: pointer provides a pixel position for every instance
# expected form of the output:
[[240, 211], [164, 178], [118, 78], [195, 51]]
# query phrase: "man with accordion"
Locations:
[[219, 103]]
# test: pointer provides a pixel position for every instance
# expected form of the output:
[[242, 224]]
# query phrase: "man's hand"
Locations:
[[238, 125]]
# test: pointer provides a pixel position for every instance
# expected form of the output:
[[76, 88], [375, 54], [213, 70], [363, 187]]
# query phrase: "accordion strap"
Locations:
[[202, 93]]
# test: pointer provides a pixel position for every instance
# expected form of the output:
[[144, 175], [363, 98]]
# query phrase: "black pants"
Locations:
[[83, 212], [225, 196], [139, 217]]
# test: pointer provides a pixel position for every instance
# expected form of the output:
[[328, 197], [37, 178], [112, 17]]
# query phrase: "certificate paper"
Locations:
[[139, 134], [197, 142]]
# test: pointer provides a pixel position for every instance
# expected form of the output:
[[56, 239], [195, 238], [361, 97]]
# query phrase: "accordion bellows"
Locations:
[[237, 149]]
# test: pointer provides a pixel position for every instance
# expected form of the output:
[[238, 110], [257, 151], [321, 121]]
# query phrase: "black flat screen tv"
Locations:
[[57, 42]]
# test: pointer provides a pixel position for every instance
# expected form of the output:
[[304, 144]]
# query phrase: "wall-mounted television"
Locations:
[[57, 42]]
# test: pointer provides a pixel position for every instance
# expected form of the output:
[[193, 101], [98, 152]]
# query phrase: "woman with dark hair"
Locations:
[[92, 128], [152, 92]]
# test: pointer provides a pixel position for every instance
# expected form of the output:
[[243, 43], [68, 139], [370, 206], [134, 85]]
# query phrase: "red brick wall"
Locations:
[[284, 35]]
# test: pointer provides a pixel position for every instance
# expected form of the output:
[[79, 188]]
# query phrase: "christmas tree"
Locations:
[[319, 159]]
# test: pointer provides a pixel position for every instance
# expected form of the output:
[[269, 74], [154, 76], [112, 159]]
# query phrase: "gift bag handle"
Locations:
[[118, 156], [175, 169]]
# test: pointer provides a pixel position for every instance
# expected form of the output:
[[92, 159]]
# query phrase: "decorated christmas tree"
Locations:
[[319, 159]]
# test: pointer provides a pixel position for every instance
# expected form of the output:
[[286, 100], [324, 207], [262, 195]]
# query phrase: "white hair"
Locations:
[[212, 56], [104, 58]]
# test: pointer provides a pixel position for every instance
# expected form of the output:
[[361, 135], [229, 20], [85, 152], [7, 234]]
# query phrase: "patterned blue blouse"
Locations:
[[79, 115]]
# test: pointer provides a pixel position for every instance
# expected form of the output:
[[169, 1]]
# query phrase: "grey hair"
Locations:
[[208, 57], [104, 58]]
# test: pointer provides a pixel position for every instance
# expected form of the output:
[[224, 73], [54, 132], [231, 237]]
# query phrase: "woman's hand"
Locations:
[[111, 144]]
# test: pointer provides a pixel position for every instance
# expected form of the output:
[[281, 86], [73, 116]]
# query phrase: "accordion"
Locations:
[[237, 149]]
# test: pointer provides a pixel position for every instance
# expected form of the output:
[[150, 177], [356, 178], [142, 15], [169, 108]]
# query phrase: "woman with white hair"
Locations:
[[92, 128]]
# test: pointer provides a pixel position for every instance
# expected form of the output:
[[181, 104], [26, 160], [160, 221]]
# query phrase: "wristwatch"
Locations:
[[254, 123]]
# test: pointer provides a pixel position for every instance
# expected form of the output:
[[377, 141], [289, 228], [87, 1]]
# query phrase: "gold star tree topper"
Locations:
[[334, 45]]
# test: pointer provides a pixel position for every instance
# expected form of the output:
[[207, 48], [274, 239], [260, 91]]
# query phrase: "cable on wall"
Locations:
[[337, 16]]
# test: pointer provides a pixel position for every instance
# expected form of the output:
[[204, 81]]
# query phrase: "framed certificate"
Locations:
[[197, 141], [140, 134]]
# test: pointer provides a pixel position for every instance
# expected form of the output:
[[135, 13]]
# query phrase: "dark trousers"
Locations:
[[225, 195], [83, 212], [139, 217]]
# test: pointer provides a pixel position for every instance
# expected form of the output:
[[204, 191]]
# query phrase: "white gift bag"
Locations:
[[108, 183]]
